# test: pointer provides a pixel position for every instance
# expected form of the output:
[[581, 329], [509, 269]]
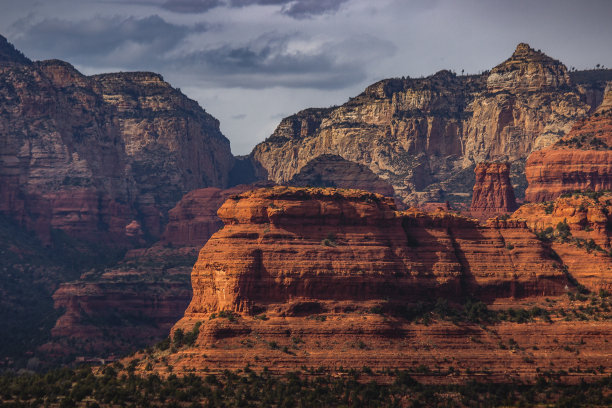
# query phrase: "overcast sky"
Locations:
[[252, 62]]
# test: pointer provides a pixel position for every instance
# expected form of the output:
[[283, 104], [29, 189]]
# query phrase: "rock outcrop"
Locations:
[[337, 279], [528, 70], [579, 228], [285, 245], [424, 136], [194, 219], [92, 154], [134, 303], [493, 193], [333, 171], [123, 308], [580, 161]]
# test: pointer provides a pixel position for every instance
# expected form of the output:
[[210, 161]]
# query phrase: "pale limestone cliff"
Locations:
[[424, 136]]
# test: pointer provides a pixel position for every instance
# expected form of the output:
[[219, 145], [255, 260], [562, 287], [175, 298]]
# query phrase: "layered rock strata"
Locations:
[[493, 194], [91, 154], [194, 219], [424, 136], [320, 277], [579, 227], [285, 246], [128, 306], [134, 303], [334, 171], [580, 161]]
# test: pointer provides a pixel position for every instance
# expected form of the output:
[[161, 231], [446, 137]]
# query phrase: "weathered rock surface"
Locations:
[[90, 155], [424, 136], [134, 303], [194, 219], [128, 306], [314, 277], [333, 171], [580, 161], [285, 245], [579, 227], [493, 193]]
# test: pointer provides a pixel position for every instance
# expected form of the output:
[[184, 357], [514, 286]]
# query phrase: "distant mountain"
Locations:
[[424, 136]]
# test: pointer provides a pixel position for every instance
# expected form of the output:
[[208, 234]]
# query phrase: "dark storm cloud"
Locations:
[[298, 9], [269, 61], [190, 6], [93, 41], [151, 43]]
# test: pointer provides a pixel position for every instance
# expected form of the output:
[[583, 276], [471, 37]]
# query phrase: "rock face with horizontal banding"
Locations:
[[91, 154], [580, 161], [580, 227], [285, 244], [493, 194], [424, 136], [319, 277]]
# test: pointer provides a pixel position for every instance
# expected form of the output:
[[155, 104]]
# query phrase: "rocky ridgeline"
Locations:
[[424, 136], [91, 155], [582, 160]]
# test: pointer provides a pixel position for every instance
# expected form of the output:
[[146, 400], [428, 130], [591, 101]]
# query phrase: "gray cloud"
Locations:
[[309, 8], [270, 61], [190, 6], [152, 43], [103, 41], [298, 9]]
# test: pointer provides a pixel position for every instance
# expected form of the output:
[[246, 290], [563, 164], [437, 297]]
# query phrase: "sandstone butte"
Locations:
[[493, 193], [424, 136], [580, 161], [314, 277], [91, 155]]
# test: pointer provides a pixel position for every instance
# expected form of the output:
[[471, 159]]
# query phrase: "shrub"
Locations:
[[549, 208]]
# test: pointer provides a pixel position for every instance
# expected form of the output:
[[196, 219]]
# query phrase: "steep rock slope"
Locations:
[[194, 219], [130, 305], [493, 193], [579, 229], [580, 161], [89, 155], [340, 279], [333, 171], [285, 245], [134, 303], [424, 135]]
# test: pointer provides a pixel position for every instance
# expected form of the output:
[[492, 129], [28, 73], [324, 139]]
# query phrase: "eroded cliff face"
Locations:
[[90, 155], [194, 219], [285, 245], [134, 303], [579, 229], [334, 171], [339, 278], [582, 160], [493, 193], [130, 305], [424, 136]]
